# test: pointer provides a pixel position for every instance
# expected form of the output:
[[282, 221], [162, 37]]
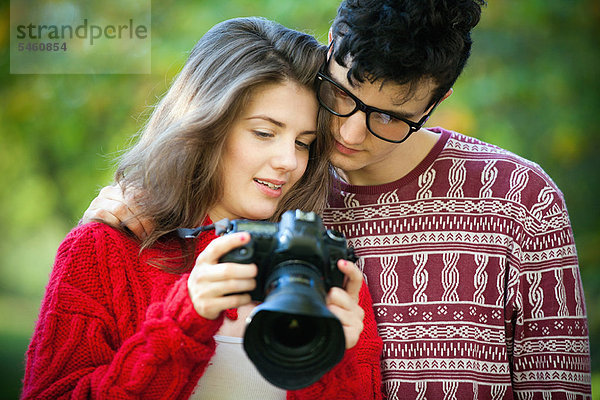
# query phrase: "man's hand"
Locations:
[[115, 208]]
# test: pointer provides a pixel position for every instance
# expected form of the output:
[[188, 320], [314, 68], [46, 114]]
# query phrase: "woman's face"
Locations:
[[266, 151]]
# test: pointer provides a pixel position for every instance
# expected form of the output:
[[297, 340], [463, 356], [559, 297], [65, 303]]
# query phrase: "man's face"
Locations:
[[364, 158]]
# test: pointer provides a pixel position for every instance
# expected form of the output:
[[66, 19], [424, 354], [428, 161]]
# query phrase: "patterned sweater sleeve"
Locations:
[[546, 325], [358, 375], [85, 344]]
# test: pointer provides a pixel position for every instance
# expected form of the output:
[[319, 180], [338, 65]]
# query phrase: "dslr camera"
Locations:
[[291, 337]]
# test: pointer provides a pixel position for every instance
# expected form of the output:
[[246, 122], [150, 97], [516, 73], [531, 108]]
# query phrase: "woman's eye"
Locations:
[[302, 145], [263, 134]]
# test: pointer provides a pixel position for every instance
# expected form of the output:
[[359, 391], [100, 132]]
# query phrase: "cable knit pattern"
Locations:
[[111, 326]]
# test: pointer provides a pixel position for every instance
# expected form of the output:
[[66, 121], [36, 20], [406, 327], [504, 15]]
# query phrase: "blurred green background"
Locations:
[[532, 86]]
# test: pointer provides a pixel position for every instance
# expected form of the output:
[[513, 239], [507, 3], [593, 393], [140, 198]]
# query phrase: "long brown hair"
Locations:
[[176, 162]]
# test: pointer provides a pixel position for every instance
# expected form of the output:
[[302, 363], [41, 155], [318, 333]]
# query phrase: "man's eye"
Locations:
[[383, 118], [340, 93]]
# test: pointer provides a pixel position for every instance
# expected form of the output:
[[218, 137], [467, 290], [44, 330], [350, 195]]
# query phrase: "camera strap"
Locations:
[[220, 227]]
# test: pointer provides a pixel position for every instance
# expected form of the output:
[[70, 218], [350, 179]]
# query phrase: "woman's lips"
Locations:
[[269, 187]]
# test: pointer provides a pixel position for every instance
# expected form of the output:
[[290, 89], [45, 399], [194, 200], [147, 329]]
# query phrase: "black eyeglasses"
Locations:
[[383, 124]]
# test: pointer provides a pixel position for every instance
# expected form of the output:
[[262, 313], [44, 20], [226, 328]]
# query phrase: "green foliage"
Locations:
[[531, 86]]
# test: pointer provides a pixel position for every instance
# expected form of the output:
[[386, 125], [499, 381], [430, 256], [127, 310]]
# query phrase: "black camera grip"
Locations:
[[240, 255]]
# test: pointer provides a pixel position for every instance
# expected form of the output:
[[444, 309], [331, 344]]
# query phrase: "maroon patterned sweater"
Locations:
[[113, 327], [472, 267]]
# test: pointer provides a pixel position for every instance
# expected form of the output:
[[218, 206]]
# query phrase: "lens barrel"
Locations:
[[292, 338]]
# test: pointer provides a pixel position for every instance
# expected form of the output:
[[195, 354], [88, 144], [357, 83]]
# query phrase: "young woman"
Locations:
[[236, 136]]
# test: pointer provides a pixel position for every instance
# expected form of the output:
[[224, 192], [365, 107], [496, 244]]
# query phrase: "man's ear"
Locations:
[[330, 35], [448, 93]]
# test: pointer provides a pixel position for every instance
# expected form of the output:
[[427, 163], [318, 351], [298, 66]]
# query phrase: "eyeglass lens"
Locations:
[[339, 102]]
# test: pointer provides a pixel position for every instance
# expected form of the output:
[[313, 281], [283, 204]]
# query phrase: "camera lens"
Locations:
[[292, 338], [335, 236], [293, 331]]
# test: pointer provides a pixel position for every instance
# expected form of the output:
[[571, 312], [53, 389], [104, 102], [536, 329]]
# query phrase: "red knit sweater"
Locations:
[[111, 326]]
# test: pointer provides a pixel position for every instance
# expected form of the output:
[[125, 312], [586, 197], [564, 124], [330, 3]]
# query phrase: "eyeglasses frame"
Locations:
[[413, 126]]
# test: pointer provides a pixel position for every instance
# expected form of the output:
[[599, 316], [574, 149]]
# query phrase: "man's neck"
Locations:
[[401, 162]]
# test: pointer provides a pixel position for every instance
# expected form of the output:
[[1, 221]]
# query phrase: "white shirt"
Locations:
[[231, 375]]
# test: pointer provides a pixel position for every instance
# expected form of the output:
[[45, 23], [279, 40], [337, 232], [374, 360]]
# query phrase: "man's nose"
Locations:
[[353, 129]]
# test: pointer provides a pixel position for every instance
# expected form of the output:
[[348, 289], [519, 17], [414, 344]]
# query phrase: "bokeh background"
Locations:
[[532, 86]]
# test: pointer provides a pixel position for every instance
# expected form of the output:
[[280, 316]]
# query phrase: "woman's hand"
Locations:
[[115, 208], [215, 287], [344, 302]]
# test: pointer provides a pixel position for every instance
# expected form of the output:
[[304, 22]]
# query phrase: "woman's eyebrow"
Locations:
[[269, 119], [279, 123]]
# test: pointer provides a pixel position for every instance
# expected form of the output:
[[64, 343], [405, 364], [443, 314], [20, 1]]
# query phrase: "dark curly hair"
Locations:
[[405, 41]]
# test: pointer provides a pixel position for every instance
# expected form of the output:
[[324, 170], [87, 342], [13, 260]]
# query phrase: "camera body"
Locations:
[[291, 337], [297, 242]]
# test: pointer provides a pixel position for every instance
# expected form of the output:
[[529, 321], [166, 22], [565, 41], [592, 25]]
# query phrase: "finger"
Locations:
[[348, 317], [108, 207], [147, 224], [352, 323], [116, 212], [210, 309], [100, 214], [339, 299], [233, 301], [141, 226], [124, 206], [112, 192], [212, 289], [354, 277], [113, 198], [221, 246], [137, 226], [223, 272]]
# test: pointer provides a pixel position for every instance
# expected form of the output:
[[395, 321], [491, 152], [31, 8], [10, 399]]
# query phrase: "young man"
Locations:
[[467, 249]]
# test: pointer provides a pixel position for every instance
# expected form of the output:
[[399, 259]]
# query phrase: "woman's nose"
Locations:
[[285, 156]]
